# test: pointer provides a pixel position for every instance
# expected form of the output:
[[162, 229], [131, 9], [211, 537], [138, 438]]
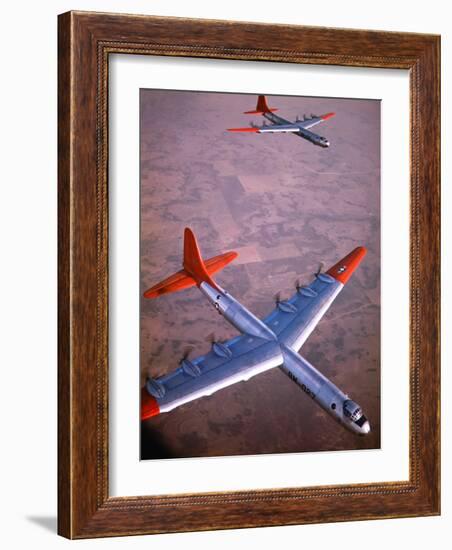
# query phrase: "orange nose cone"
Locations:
[[149, 405], [342, 271]]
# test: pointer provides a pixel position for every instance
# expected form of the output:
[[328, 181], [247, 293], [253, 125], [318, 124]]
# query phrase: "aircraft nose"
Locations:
[[365, 428]]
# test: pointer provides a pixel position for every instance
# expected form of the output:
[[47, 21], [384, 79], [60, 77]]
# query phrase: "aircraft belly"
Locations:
[[235, 370]]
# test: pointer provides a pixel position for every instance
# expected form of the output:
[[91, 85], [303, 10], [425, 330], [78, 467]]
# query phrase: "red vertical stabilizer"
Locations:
[[193, 262], [261, 107], [194, 271]]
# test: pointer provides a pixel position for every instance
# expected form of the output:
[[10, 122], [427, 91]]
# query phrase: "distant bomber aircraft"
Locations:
[[262, 344], [299, 127]]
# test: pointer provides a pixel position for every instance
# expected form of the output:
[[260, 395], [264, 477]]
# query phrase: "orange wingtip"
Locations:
[[343, 270], [255, 130], [149, 405], [327, 116]]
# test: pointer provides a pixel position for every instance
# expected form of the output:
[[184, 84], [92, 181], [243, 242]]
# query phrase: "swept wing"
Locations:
[[268, 128], [313, 121], [293, 320], [225, 364]]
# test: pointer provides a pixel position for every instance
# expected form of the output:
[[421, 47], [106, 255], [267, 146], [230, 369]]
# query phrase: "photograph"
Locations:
[[259, 274]]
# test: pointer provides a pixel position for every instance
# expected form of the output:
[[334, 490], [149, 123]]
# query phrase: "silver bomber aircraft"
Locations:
[[263, 344], [280, 125]]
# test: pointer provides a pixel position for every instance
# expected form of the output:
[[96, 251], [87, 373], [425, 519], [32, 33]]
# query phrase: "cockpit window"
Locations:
[[352, 410], [361, 421]]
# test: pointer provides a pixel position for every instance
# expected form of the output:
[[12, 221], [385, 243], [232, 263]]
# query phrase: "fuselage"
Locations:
[[306, 376]]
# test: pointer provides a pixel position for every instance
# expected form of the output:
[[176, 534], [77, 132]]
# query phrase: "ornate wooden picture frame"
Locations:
[[86, 40]]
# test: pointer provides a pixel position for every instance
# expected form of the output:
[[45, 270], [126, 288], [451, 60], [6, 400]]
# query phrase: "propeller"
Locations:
[[186, 353], [284, 305], [219, 348], [305, 117], [320, 268], [297, 118], [187, 366], [306, 290]]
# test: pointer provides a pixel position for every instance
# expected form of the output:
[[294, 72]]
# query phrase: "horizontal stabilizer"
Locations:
[[195, 269], [178, 281], [218, 262], [259, 112]]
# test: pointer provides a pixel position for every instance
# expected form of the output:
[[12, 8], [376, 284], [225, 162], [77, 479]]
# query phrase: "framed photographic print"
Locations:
[[248, 275]]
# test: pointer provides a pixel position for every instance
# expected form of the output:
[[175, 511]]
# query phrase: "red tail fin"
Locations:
[[193, 262], [261, 107], [195, 269]]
